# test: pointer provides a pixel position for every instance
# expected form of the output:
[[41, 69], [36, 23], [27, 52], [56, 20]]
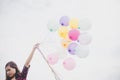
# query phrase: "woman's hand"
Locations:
[[36, 46]]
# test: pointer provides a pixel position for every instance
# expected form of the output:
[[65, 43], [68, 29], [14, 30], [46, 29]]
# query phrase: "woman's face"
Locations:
[[10, 71]]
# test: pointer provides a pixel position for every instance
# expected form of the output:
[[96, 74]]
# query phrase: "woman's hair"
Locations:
[[12, 65]]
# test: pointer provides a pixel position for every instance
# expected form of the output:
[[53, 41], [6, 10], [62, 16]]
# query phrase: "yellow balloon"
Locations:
[[65, 42], [74, 23], [63, 32]]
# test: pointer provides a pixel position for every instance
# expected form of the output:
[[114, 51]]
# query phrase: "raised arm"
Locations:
[[31, 55]]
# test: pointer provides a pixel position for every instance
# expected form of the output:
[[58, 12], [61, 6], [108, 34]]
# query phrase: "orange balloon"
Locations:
[[65, 42]]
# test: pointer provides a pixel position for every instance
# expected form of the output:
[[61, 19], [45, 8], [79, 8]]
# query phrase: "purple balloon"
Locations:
[[72, 48], [64, 21]]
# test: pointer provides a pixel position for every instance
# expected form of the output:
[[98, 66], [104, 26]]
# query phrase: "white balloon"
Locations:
[[53, 25], [84, 38], [85, 24], [82, 51], [62, 53]]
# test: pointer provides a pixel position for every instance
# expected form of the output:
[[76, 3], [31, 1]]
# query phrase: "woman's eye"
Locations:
[[8, 70]]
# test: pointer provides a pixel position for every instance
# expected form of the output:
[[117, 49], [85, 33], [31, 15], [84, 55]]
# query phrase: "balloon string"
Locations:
[[55, 74]]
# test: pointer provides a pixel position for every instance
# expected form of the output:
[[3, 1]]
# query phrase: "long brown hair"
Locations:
[[12, 65]]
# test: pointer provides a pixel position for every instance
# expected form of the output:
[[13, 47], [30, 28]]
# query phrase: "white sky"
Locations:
[[23, 23]]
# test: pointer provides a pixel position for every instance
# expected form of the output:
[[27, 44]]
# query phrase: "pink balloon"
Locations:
[[69, 64], [74, 34], [52, 58]]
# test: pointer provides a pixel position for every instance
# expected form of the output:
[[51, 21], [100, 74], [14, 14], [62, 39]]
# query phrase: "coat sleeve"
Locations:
[[25, 71]]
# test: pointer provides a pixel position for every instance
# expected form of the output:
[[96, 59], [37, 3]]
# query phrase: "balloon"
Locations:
[[53, 25], [65, 42], [74, 23], [84, 38], [69, 63], [61, 52], [52, 58], [85, 24], [63, 32], [64, 21], [72, 48], [74, 34], [82, 51]]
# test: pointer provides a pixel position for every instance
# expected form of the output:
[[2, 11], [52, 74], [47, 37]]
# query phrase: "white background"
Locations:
[[23, 23]]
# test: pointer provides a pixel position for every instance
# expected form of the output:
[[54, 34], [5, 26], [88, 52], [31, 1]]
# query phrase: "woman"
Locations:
[[12, 71]]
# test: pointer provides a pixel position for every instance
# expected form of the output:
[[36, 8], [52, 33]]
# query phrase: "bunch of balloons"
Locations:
[[74, 38]]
